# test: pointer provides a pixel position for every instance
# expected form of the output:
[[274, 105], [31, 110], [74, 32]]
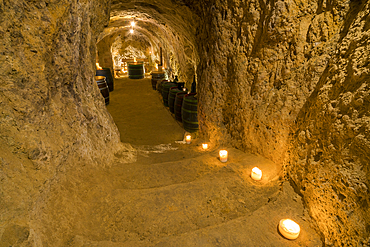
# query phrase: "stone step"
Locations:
[[238, 231]]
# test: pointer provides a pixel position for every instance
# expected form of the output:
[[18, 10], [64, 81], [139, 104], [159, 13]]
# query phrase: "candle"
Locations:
[[188, 139], [256, 174], [205, 146], [223, 155], [184, 89], [289, 229]]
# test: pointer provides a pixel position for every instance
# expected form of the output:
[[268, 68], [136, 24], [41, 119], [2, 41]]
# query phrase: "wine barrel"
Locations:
[[178, 105], [172, 97], [165, 91], [108, 77], [104, 90], [156, 77], [160, 85], [136, 70], [189, 112]]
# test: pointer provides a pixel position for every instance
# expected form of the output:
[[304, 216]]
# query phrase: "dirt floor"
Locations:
[[176, 194]]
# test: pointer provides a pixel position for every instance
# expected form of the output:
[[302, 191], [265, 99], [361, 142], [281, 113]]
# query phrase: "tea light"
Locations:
[[205, 146], [256, 174], [289, 229], [188, 139], [223, 155]]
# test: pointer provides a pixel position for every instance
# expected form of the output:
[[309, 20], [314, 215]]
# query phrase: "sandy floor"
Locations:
[[176, 194]]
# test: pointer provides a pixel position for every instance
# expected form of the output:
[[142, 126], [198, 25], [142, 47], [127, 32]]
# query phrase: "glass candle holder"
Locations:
[[289, 229], [188, 139], [223, 155], [256, 174]]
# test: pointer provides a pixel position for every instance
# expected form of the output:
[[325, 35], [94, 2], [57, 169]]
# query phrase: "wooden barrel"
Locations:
[[178, 105], [104, 90], [160, 85], [172, 97], [108, 77], [157, 77], [190, 113], [165, 91], [136, 70]]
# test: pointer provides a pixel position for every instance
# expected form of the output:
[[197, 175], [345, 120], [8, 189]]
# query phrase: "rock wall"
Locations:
[[53, 121], [104, 54], [262, 59], [260, 62], [329, 152]]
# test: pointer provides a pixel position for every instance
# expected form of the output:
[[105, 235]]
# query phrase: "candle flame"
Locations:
[[205, 145], [132, 24], [98, 66], [131, 30], [290, 226], [257, 171], [135, 59]]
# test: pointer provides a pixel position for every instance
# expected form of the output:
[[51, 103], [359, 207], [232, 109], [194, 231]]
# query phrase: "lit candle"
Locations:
[[131, 30], [205, 146], [223, 155], [184, 89], [289, 229], [132, 24], [256, 174], [188, 139]]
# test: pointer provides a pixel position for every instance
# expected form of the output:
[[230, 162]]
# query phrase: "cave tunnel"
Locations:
[[281, 85]]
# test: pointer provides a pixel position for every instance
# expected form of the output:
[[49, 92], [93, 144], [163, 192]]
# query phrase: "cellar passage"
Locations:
[[283, 80]]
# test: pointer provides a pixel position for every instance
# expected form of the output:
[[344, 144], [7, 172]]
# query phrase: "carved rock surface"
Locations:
[[284, 79], [269, 69], [52, 116]]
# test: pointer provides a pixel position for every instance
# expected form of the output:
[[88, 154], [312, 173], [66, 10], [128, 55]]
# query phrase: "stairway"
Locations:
[[177, 194]]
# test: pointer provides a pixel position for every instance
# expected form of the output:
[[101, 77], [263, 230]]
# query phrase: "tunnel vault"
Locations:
[[288, 80], [166, 24]]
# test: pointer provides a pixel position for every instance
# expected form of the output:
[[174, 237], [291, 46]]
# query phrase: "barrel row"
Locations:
[[182, 104]]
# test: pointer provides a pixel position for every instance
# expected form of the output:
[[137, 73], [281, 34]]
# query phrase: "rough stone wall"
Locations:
[[261, 61], [329, 153], [53, 120], [104, 53]]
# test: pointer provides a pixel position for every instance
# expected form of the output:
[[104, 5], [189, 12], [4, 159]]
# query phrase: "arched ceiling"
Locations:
[[169, 24]]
